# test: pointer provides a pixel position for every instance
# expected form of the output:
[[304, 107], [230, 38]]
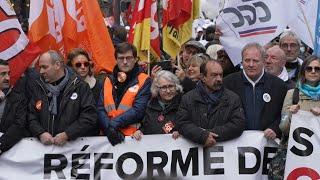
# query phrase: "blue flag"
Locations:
[[317, 35]]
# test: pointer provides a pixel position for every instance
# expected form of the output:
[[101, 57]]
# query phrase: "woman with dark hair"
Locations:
[[305, 97], [81, 62], [162, 107]]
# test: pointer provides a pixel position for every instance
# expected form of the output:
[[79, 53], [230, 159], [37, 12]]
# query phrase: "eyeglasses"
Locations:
[[79, 64], [315, 69], [286, 46], [164, 88], [189, 51], [122, 58]]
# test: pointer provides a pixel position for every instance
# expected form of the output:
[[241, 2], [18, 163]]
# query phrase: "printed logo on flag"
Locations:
[[15, 46], [258, 31], [250, 14], [13, 39]]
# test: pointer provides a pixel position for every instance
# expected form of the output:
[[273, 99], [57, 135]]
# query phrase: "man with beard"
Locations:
[[12, 111], [210, 113], [124, 97], [275, 64], [262, 94]]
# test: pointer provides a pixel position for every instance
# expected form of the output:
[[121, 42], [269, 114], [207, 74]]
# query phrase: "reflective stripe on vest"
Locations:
[[125, 104]]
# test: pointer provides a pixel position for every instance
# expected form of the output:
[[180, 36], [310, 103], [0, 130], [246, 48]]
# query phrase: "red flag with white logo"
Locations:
[[144, 30], [15, 47]]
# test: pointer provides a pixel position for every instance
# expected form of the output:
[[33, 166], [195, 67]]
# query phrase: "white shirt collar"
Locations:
[[284, 74], [253, 82]]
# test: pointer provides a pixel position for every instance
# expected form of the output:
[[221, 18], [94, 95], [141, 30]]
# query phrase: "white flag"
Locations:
[[299, 25], [245, 21]]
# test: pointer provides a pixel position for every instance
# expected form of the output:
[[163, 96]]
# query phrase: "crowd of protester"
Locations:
[[203, 97]]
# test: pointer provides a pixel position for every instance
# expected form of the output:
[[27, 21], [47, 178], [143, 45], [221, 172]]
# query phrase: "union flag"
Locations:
[[15, 47], [62, 25]]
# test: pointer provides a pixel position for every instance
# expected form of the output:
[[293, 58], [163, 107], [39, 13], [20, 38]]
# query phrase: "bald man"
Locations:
[[275, 64]]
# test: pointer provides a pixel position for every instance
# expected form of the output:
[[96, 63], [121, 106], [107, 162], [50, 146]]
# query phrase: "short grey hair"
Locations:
[[55, 56], [260, 48], [169, 76], [289, 33]]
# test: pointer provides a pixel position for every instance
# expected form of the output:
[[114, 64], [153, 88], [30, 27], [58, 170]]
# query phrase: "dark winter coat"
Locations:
[[195, 122], [13, 122], [151, 123], [77, 114], [271, 111]]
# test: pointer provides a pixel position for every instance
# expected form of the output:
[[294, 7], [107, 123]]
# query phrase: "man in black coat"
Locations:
[[12, 111], [62, 106], [210, 113], [262, 94]]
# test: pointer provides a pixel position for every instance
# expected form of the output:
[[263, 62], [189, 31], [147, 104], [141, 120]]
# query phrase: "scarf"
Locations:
[[290, 65], [310, 91], [54, 92], [162, 104], [120, 86], [212, 99]]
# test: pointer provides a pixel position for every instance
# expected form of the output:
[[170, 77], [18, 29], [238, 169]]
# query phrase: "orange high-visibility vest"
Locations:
[[125, 104]]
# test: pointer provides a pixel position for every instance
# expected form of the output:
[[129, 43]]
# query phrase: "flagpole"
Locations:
[[178, 59], [306, 21], [148, 62]]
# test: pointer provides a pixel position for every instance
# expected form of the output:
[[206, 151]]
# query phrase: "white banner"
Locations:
[[245, 21], [303, 155], [246, 158], [307, 12]]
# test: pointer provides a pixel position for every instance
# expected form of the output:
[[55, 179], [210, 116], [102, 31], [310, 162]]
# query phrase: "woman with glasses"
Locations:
[[192, 76], [80, 61], [162, 107], [305, 97]]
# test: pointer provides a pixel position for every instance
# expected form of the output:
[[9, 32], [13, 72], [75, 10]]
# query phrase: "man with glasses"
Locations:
[[62, 106], [290, 44], [124, 97], [210, 113]]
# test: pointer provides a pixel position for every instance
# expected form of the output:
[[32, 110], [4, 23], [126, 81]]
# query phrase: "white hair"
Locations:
[[168, 76]]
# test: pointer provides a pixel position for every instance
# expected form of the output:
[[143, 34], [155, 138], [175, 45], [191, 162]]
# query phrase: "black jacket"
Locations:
[[13, 122], [274, 86], [194, 121], [151, 123], [77, 114]]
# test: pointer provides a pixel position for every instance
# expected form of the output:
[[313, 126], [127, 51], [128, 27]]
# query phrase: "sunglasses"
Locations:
[[79, 64], [315, 69]]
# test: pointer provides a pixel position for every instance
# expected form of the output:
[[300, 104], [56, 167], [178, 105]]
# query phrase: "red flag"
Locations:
[[178, 16], [15, 46], [144, 30], [62, 25]]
